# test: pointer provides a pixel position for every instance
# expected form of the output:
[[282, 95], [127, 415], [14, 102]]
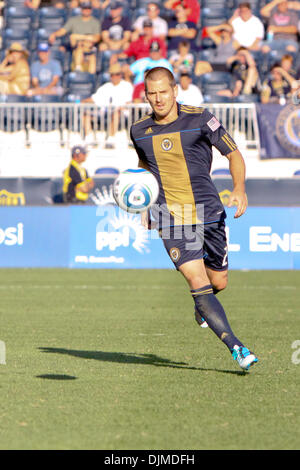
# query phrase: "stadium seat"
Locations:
[[42, 35], [51, 16], [216, 99], [213, 16], [221, 172], [107, 171], [11, 35], [14, 3], [212, 82], [18, 17], [297, 173], [80, 83], [46, 99], [253, 98]]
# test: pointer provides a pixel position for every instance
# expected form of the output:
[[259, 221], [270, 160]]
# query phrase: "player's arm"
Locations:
[[220, 139], [237, 170]]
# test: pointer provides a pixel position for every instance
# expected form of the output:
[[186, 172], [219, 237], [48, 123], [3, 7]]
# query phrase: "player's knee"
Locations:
[[220, 283]]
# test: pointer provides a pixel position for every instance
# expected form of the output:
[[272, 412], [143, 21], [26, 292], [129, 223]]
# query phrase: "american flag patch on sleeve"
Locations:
[[213, 124]]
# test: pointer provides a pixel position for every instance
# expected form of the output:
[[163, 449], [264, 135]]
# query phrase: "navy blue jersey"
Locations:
[[179, 154]]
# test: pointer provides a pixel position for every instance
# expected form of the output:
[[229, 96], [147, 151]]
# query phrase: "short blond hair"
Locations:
[[157, 73]]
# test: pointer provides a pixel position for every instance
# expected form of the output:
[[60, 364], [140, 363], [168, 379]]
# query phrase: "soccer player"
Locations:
[[175, 144]]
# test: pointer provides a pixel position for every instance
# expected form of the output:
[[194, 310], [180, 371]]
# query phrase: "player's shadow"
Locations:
[[130, 358]]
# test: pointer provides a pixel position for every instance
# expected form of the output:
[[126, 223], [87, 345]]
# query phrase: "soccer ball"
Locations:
[[135, 190]]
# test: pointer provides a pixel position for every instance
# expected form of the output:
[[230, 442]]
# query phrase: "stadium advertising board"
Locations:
[[106, 237]]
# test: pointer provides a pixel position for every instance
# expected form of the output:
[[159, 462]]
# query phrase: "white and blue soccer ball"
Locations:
[[135, 190]]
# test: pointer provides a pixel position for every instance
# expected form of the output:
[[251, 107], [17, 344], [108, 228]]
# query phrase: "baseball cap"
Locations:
[[43, 47], [155, 46], [77, 149], [148, 23]]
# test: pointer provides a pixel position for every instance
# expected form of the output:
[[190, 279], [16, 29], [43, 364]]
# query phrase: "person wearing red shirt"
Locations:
[[140, 48], [192, 7]]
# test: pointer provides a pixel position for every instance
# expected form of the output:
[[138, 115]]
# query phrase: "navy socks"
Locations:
[[209, 307]]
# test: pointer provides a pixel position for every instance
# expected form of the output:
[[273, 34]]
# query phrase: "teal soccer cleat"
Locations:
[[244, 357]]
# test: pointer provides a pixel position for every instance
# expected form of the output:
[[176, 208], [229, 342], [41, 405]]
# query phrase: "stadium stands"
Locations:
[[30, 27]]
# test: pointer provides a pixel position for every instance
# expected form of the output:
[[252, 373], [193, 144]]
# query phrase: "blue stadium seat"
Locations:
[[80, 83], [216, 99], [19, 17], [46, 99], [212, 82], [11, 35], [52, 17], [14, 99], [42, 35], [14, 3], [107, 171], [213, 16]]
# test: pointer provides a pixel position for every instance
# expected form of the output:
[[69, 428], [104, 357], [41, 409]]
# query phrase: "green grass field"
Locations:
[[101, 359]]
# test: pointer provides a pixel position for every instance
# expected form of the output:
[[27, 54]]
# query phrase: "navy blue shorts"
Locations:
[[188, 243]]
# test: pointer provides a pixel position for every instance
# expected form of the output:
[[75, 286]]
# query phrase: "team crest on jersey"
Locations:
[[166, 144], [175, 254]]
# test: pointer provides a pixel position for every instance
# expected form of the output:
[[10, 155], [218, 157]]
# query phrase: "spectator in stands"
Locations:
[[181, 29], [116, 29], [182, 60], [137, 69], [84, 33], [226, 47], [248, 29], [160, 26], [278, 87], [282, 26], [192, 7], [46, 74], [244, 73], [188, 93], [117, 92], [15, 71], [34, 4], [59, 4], [76, 182], [287, 62], [141, 47]]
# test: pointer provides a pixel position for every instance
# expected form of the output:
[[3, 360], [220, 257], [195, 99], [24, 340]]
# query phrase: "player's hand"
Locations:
[[238, 198]]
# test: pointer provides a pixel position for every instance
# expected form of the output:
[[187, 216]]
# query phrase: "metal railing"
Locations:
[[239, 119]]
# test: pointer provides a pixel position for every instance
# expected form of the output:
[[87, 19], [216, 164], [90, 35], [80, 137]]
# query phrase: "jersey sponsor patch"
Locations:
[[213, 124]]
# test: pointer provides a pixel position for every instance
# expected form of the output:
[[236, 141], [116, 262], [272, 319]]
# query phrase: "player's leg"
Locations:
[[206, 303], [209, 308], [218, 279]]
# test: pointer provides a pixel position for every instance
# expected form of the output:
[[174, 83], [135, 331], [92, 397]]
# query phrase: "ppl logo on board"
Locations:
[[11, 236], [120, 230]]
